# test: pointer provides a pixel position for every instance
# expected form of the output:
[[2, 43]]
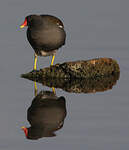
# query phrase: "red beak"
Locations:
[[24, 24], [25, 131]]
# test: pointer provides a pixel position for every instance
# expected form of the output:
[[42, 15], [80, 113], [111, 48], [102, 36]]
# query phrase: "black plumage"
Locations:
[[45, 34]]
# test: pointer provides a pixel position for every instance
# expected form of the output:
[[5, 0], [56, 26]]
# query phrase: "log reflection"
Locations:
[[83, 85]]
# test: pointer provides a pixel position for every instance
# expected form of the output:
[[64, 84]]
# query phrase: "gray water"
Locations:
[[95, 28]]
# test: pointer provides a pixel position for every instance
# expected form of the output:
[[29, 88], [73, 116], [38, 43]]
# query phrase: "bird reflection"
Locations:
[[45, 115]]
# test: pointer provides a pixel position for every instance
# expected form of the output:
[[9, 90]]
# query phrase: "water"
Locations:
[[94, 28]]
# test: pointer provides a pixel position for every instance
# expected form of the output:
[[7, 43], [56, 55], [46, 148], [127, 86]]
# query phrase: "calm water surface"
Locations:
[[95, 121]]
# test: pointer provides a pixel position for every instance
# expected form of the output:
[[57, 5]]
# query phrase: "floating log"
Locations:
[[84, 69]]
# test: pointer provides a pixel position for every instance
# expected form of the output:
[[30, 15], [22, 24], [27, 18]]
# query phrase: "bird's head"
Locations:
[[37, 21], [32, 21]]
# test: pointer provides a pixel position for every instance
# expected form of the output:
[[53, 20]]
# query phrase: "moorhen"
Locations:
[[46, 115], [45, 34]]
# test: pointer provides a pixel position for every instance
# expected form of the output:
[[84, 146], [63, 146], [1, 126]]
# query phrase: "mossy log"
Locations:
[[84, 69]]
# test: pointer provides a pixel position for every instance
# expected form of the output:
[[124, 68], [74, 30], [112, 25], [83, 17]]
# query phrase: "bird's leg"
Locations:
[[35, 61], [53, 57], [35, 89], [53, 89]]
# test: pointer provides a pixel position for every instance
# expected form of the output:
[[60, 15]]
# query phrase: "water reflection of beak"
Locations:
[[25, 130]]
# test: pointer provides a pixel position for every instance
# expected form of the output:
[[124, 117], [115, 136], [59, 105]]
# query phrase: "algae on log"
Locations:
[[92, 69]]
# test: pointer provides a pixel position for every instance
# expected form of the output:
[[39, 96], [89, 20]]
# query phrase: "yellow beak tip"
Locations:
[[22, 127], [21, 27]]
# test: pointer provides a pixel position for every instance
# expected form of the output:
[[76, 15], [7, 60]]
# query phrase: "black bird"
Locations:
[[45, 34], [45, 115]]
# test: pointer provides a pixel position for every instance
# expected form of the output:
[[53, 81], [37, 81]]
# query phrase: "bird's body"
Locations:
[[47, 37], [45, 34]]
